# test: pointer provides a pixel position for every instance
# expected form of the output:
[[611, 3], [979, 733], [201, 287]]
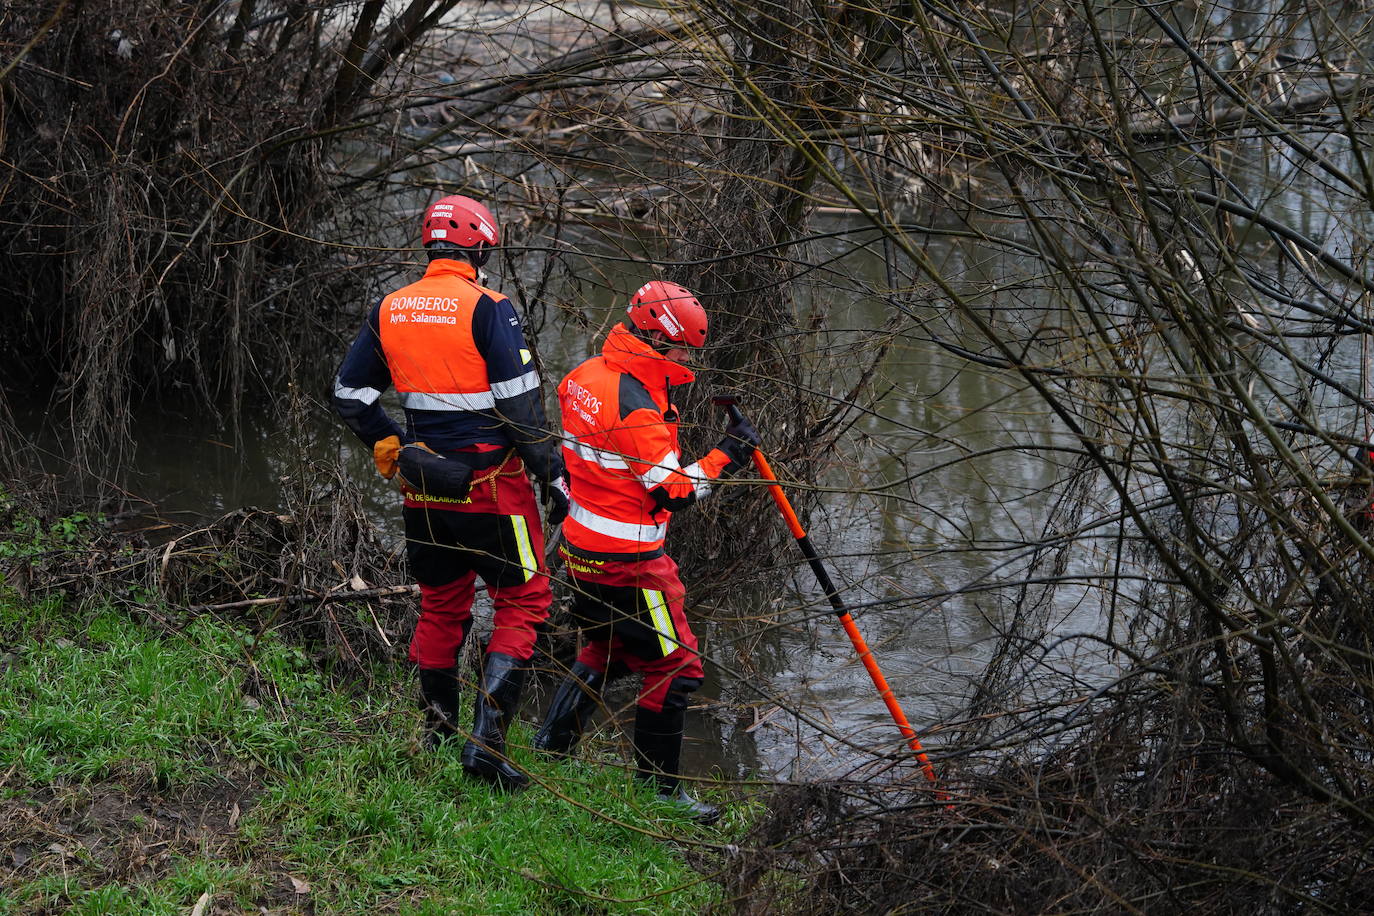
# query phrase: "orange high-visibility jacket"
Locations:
[[622, 455]]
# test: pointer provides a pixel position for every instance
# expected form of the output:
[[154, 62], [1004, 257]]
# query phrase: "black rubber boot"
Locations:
[[439, 700], [658, 755], [572, 704], [484, 755]]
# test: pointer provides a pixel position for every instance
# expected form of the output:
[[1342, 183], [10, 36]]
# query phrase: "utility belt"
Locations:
[[593, 562], [431, 477]]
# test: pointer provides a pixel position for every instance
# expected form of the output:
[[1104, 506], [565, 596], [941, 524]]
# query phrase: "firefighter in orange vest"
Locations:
[[475, 427], [626, 479]]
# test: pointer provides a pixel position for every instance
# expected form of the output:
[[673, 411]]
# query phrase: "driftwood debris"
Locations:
[[386, 591]]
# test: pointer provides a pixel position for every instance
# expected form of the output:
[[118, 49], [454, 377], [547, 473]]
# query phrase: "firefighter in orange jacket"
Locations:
[[620, 447], [475, 426]]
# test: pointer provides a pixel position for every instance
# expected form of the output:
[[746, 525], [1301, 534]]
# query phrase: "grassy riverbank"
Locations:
[[152, 770]]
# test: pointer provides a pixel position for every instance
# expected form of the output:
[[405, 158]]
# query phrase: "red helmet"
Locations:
[[667, 307], [462, 221]]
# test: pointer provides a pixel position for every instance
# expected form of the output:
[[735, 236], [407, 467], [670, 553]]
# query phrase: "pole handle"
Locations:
[[784, 505]]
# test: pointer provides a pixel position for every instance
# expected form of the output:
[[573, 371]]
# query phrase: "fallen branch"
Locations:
[[385, 591], [1218, 118], [612, 49]]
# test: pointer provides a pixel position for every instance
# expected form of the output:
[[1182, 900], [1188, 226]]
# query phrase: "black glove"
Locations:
[[739, 443], [557, 501]]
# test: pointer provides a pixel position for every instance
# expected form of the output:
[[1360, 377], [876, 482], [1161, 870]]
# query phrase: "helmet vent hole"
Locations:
[[453, 224], [653, 314]]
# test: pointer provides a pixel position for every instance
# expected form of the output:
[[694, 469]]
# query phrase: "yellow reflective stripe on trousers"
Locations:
[[522, 544], [663, 620]]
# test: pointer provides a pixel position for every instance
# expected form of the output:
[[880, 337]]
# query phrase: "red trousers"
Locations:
[[493, 533], [632, 612]]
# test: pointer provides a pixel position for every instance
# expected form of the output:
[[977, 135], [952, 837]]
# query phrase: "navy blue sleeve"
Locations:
[[358, 387], [515, 385], [499, 338]]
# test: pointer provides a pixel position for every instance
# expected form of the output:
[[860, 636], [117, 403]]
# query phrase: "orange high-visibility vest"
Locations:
[[426, 331]]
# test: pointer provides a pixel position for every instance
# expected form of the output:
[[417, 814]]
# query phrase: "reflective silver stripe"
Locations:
[[419, 400], [614, 529], [587, 453], [511, 387], [663, 620], [366, 395], [661, 470], [700, 482]]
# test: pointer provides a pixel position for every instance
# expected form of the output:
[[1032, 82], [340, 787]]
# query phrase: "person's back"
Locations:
[[475, 424], [448, 344]]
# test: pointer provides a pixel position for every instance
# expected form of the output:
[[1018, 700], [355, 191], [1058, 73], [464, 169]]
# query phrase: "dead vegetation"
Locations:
[[110, 835], [318, 571]]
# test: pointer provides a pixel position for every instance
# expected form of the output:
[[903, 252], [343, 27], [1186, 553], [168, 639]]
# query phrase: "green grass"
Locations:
[[140, 770]]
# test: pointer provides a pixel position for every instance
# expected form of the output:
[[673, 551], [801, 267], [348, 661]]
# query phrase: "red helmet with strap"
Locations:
[[462, 221], [662, 306]]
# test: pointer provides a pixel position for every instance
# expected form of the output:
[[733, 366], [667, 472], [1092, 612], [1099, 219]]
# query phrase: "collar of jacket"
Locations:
[[451, 267], [627, 353]]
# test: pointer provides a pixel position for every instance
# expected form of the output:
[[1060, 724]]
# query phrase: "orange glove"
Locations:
[[384, 454]]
